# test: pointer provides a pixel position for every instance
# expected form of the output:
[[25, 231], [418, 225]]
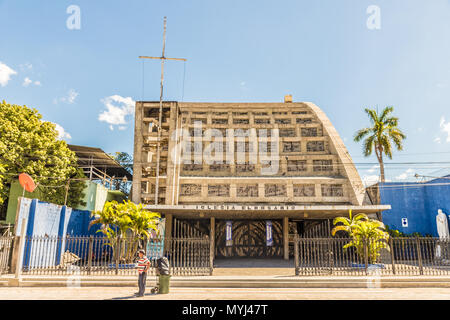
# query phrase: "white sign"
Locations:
[[404, 222]]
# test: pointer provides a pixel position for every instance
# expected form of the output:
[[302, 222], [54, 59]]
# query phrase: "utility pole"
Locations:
[[158, 154]]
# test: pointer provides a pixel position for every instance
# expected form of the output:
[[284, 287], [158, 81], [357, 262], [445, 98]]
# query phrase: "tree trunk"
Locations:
[[379, 153]]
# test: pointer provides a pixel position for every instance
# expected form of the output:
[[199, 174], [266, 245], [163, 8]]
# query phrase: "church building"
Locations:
[[248, 176]]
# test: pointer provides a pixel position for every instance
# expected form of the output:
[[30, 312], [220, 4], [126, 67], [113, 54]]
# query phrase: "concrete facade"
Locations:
[[244, 161]]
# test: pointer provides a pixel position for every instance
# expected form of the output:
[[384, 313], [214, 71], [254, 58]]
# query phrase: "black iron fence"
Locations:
[[398, 256], [102, 256], [6, 243]]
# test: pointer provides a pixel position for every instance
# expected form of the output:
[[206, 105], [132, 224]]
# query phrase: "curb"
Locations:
[[364, 282]]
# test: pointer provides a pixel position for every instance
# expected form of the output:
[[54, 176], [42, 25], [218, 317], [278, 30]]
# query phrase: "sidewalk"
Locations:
[[233, 281], [222, 294]]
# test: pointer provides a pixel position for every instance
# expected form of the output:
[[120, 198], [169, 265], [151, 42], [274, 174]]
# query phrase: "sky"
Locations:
[[77, 63]]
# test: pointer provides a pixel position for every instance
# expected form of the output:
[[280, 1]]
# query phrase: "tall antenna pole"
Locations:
[[159, 125]]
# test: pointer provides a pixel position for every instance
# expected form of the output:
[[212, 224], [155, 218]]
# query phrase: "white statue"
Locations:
[[442, 229], [442, 224]]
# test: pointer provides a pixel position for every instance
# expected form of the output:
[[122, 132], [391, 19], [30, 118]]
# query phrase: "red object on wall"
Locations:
[[27, 182]]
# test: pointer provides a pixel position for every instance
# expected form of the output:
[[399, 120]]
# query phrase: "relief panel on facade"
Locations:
[[332, 190], [315, 146], [222, 167], [296, 165], [219, 121], [275, 190], [219, 190], [283, 121], [291, 147], [192, 167], [322, 165], [304, 190], [287, 132], [262, 121], [250, 190], [189, 190], [245, 167], [240, 121], [303, 120], [309, 132]]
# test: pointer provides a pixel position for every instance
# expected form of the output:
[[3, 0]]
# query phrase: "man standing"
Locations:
[[143, 265]]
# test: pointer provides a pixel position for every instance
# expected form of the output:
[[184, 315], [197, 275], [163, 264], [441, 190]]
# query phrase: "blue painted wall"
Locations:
[[418, 202]]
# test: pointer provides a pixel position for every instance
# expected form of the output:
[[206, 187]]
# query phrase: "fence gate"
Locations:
[[398, 256], [249, 239], [101, 256], [5, 253]]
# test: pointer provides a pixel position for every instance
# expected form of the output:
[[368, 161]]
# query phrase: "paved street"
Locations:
[[125, 293]]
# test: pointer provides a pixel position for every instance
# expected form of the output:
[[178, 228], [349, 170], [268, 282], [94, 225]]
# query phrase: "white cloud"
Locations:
[[370, 179], [62, 134], [5, 74], [437, 140], [69, 98], [405, 175], [445, 127], [118, 108], [26, 82]]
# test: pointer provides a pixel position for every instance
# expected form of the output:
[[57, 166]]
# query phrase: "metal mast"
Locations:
[[159, 125]]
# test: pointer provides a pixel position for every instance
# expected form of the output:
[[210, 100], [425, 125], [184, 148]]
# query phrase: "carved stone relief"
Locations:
[[219, 190], [191, 190], [291, 147], [332, 190], [296, 165], [322, 165], [275, 190], [309, 132], [315, 146], [304, 190], [247, 190]]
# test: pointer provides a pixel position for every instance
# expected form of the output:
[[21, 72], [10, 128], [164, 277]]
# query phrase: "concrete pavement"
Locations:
[[125, 293]]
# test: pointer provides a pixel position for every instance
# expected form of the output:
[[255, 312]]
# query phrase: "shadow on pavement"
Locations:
[[133, 296]]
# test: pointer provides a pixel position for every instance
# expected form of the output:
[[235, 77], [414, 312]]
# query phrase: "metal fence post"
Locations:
[[21, 249], [419, 256], [211, 255], [296, 255], [91, 240], [391, 246], [119, 243], [366, 256]]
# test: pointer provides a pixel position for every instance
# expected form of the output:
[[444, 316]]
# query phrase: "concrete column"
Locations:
[[168, 227], [286, 237], [137, 166]]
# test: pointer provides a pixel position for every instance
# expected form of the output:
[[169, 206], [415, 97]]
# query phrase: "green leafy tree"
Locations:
[[125, 225], [30, 145], [378, 137], [2, 178], [365, 233], [126, 161]]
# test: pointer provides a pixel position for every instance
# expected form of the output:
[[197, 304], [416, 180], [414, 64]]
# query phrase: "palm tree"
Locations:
[[378, 137], [347, 224]]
